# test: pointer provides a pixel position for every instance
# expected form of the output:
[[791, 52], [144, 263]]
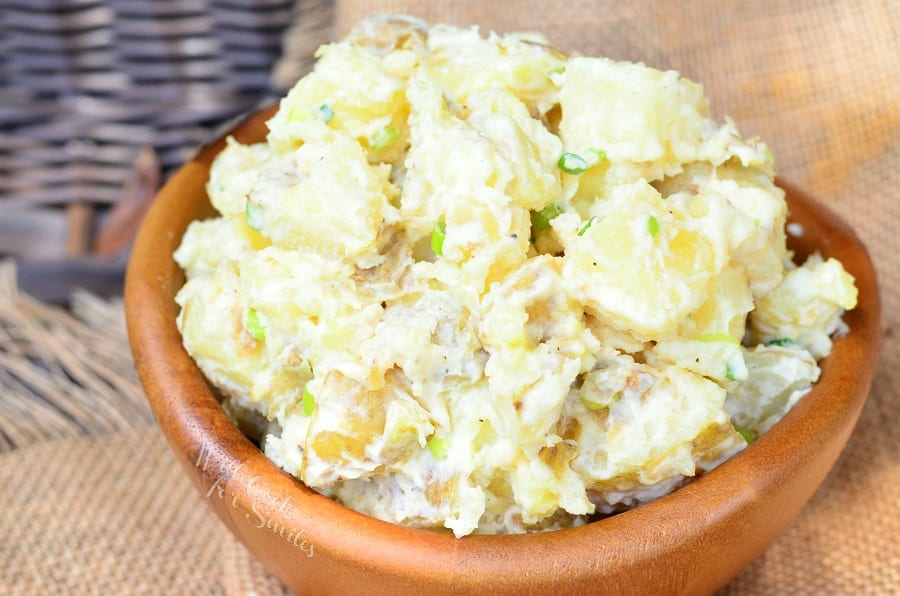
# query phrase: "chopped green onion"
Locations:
[[437, 238], [383, 138], [735, 367], [438, 447], [785, 342], [557, 70], [541, 219], [572, 163], [600, 153], [309, 403], [723, 337], [254, 214], [254, 326], [585, 227], [653, 226], [325, 113], [748, 434], [593, 406]]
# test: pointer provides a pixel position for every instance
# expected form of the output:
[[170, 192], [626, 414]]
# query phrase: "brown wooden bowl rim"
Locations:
[[198, 429]]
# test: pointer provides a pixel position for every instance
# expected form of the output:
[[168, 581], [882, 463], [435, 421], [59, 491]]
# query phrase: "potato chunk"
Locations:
[[637, 116], [326, 198], [643, 264], [806, 306], [349, 91]]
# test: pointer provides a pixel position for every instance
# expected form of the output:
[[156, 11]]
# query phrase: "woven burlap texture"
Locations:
[[819, 81]]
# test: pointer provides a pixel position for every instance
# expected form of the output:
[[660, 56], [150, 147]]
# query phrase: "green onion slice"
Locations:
[[541, 219], [594, 406], [309, 403], [572, 163], [325, 113], [589, 223], [438, 447], [254, 326], [437, 238], [600, 155], [748, 434], [383, 138], [255, 216], [722, 337], [653, 226], [786, 342]]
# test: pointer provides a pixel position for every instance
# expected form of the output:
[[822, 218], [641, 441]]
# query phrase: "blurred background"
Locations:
[[100, 100]]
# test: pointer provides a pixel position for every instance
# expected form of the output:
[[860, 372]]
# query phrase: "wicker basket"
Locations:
[[101, 99]]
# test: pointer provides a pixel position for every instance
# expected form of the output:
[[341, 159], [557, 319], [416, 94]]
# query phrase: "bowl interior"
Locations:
[[707, 531]]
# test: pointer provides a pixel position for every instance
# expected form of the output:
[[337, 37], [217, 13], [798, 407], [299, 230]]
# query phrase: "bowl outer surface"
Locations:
[[690, 542]]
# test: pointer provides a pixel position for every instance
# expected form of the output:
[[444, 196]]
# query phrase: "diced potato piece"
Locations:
[[530, 307], [778, 378], [484, 241], [753, 211], [725, 309], [326, 198], [386, 34], [500, 157], [253, 362], [643, 265], [431, 500], [538, 343], [448, 158], [446, 350], [661, 427], [522, 143], [757, 236], [233, 174], [284, 442], [586, 191], [806, 306], [310, 302], [361, 99], [468, 506], [718, 358], [207, 243], [547, 483], [281, 385], [295, 290], [464, 63], [212, 322], [613, 376], [727, 143], [353, 430], [634, 114]]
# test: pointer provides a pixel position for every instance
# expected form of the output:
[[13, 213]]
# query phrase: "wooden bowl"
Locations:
[[691, 541]]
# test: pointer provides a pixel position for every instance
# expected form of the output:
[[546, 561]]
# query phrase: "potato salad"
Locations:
[[473, 283]]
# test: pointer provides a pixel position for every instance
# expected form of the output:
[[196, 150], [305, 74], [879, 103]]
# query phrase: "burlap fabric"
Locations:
[[820, 81]]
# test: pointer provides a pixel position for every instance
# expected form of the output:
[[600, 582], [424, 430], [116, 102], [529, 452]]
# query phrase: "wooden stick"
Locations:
[[81, 220]]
